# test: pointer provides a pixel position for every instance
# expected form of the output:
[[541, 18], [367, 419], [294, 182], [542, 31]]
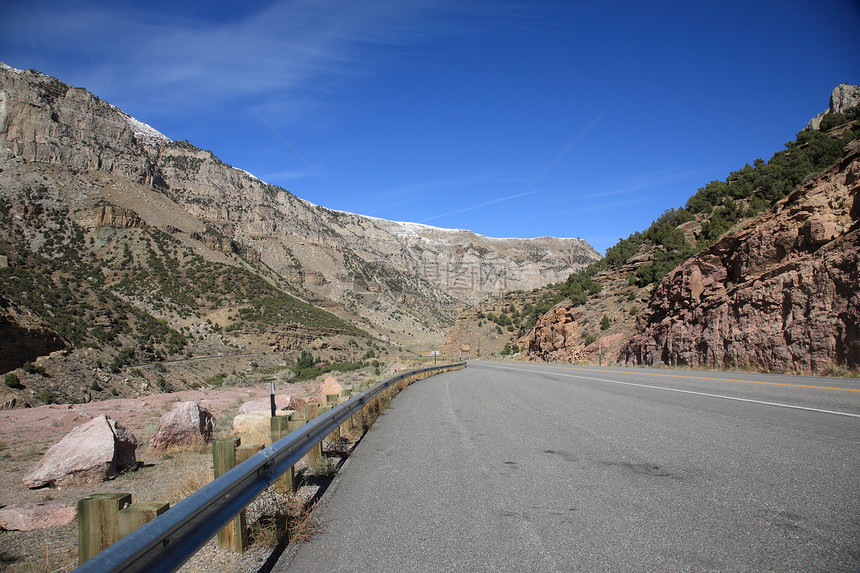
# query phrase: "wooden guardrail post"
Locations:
[[235, 535], [314, 456], [347, 425], [334, 436], [138, 513], [280, 427], [287, 482], [245, 451], [98, 522]]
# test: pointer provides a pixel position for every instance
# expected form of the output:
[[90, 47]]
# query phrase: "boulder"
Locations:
[[94, 451], [186, 426], [255, 427], [330, 386], [29, 517], [257, 406]]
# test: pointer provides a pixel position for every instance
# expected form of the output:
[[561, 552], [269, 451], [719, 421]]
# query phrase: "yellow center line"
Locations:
[[706, 378]]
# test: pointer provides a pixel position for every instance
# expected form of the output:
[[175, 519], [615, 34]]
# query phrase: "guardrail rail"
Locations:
[[166, 542]]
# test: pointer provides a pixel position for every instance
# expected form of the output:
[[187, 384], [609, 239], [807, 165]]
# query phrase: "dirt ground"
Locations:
[[25, 434]]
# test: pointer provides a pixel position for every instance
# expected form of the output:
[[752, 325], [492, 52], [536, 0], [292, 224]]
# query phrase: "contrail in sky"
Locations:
[[544, 172], [473, 207], [311, 167]]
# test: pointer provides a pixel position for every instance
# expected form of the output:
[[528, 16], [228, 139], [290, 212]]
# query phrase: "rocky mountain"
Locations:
[[843, 98], [132, 240], [758, 271], [780, 294]]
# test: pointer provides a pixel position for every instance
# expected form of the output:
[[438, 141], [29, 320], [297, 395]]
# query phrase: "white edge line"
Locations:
[[792, 406]]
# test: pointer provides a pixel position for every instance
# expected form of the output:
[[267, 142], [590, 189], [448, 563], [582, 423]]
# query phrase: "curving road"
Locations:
[[525, 467]]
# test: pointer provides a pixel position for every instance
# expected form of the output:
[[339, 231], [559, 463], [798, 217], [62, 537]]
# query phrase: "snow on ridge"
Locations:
[[414, 229], [11, 69], [248, 173], [407, 229], [142, 130], [146, 132]]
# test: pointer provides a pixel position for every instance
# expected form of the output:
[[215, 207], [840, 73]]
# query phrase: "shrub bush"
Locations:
[[12, 381]]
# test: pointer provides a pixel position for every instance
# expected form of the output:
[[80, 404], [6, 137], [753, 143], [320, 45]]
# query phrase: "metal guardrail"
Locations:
[[165, 543]]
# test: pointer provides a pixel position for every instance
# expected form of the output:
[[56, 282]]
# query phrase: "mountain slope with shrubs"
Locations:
[[131, 263]]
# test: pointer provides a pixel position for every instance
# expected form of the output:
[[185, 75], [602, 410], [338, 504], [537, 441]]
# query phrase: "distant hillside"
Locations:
[[127, 252]]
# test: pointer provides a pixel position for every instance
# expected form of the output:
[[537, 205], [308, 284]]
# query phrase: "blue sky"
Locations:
[[512, 119]]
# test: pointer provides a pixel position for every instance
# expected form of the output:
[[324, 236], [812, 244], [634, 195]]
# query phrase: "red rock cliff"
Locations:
[[781, 294]]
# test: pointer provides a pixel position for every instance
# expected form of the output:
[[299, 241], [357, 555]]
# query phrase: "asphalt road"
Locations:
[[524, 467]]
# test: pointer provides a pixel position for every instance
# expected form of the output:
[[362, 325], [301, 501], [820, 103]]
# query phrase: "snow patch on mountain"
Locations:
[[10, 68], [144, 131]]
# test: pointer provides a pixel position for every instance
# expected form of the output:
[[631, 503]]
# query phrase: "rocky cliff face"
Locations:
[[843, 97], [23, 336], [402, 281], [568, 333], [781, 294]]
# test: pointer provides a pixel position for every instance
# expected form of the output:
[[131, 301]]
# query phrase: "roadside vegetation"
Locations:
[[308, 367]]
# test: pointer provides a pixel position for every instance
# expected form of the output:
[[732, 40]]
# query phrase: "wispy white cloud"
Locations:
[[281, 175], [606, 205], [290, 49]]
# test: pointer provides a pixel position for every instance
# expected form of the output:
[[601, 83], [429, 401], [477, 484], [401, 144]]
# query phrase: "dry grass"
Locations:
[[52, 559], [286, 519], [834, 370], [303, 523], [269, 531], [191, 479]]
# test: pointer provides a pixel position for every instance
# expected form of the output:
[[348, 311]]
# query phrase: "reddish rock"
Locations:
[[292, 403], [330, 386], [29, 517], [781, 294], [557, 337], [282, 402], [183, 427], [94, 451]]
